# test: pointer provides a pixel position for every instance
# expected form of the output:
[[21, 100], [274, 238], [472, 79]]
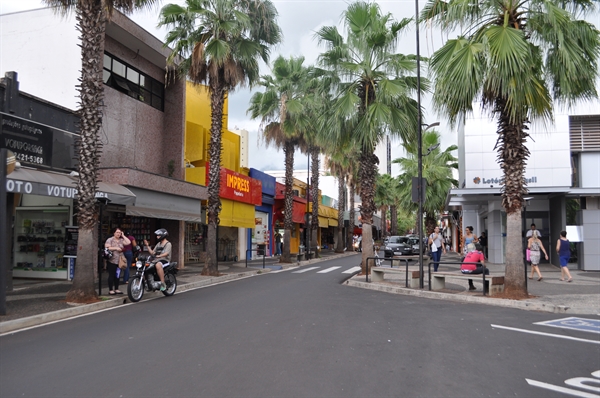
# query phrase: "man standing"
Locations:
[[483, 242], [436, 246], [278, 243], [529, 233]]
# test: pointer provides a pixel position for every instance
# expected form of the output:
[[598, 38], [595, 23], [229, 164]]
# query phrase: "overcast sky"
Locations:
[[299, 21]]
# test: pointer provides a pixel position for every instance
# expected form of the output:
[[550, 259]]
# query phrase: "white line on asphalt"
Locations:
[[558, 336], [563, 390], [351, 270], [328, 270], [305, 270]]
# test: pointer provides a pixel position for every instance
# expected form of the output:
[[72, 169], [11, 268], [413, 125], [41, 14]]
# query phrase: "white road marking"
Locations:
[[351, 270], [546, 334], [305, 270], [328, 270], [563, 390]]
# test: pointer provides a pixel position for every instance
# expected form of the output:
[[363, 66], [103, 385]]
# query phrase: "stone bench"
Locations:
[[378, 272], [495, 282]]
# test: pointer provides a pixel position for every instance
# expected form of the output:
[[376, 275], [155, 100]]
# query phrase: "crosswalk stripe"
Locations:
[[328, 270], [351, 270], [305, 270]]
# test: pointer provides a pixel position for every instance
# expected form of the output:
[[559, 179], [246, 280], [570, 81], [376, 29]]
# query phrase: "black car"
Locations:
[[398, 246]]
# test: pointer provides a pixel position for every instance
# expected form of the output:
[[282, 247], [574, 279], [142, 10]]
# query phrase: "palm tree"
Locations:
[[283, 118], [91, 17], [515, 59], [374, 93], [437, 170], [221, 42]]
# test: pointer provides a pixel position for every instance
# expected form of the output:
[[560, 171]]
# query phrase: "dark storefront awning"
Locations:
[[156, 204], [46, 183]]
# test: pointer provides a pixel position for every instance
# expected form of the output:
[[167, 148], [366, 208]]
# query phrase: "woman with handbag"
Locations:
[[115, 244]]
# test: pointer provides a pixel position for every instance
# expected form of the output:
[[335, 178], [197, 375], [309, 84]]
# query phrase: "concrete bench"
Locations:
[[496, 282], [378, 272]]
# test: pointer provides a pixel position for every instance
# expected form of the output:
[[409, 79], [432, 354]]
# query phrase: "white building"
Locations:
[[564, 164]]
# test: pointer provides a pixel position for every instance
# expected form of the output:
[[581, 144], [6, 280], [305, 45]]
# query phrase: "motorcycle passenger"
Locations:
[[161, 253]]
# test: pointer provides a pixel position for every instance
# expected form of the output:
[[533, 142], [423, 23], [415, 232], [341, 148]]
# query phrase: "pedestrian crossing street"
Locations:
[[319, 270]]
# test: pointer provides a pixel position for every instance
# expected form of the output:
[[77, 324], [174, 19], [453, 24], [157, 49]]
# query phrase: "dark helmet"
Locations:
[[161, 234]]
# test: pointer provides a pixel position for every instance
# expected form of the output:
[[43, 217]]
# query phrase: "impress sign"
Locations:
[[240, 188]]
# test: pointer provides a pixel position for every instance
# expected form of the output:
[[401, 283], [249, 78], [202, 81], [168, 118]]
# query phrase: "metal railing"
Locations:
[[256, 250], [376, 260], [391, 260]]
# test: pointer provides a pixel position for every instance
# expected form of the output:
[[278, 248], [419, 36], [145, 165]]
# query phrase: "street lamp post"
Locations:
[[420, 191]]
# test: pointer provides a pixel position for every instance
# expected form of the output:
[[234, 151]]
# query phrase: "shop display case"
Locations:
[[39, 241], [140, 227]]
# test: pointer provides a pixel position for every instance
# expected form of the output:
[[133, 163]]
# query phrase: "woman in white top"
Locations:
[[535, 245]]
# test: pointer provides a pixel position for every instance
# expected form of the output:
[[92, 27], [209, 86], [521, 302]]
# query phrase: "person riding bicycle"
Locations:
[[161, 253]]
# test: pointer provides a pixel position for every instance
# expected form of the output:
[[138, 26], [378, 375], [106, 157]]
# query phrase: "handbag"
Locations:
[[528, 255], [122, 262]]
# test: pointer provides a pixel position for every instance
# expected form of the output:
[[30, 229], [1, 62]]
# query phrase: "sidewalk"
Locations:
[[581, 296], [35, 302]]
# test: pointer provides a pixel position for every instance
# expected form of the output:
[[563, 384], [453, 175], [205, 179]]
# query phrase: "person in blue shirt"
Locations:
[[563, 248]]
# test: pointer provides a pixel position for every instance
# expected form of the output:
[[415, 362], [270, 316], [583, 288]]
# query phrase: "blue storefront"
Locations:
[[261, 237]]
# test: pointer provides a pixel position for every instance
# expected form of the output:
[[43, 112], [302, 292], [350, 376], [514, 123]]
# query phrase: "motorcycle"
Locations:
[[146, 278]]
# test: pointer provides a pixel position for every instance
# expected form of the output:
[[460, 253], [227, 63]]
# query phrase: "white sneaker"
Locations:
[[163, 287]]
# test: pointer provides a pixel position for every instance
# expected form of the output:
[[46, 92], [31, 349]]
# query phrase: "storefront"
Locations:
[[239, 195], [298, 217], [44, 207], [260, 239]]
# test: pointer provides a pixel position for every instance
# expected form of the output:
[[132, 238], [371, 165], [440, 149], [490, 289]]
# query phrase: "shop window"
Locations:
[[132, 82]]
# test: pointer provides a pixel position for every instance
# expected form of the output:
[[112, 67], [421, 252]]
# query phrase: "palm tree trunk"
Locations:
[[512, 156], [314, 188], [217, 101], [339, 247], [393, 220], [368, 176], [91, 23], [288, 224]]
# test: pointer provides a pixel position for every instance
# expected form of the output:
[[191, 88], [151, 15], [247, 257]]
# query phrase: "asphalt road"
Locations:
[[290, 334]]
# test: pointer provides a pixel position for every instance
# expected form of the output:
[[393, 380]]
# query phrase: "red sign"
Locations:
[[240, 188]]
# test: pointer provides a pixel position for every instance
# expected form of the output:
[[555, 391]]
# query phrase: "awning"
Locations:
[[154, 204], [323, 222], [47, 183], [333, 222]]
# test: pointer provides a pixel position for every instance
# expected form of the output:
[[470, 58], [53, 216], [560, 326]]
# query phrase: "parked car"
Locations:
[[398, 246], [414, 242]]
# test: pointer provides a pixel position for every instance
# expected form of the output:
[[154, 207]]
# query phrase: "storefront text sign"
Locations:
[[38, 188], [240, 188], [31, 142]]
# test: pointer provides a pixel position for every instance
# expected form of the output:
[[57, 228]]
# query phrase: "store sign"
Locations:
[[240, 188], [37, 188], [31, 142]]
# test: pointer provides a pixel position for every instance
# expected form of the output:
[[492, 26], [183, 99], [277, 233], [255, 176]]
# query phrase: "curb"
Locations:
[[35, 320], [40, 319], [518, 304]]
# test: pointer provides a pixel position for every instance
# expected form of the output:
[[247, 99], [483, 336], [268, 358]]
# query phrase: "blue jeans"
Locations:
[[129, 256], [278, 248], [436, 257]]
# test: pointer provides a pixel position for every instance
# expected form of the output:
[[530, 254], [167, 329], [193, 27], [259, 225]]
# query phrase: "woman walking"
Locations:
[[535, 245], [470, 237], [563, 248]]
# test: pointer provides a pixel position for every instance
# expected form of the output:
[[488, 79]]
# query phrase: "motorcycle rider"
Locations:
[[161, 253]]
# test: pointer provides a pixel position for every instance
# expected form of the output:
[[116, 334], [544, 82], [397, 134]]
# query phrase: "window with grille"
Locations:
[[128, 80], [584, 133]]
